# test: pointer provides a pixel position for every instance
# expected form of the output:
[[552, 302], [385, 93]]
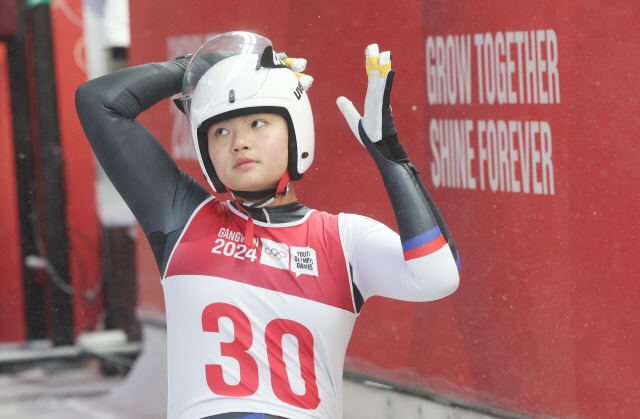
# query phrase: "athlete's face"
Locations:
[[250, 153]]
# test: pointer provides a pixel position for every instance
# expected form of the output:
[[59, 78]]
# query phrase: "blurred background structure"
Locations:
[[521, 116]]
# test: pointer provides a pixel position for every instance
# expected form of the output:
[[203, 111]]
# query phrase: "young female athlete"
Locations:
[[261, 292]]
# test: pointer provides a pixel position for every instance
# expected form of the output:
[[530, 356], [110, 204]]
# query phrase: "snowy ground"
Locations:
[[68, 394], [80, 390]]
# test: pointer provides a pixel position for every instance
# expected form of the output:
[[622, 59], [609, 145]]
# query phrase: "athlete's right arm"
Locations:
[[160, 195]]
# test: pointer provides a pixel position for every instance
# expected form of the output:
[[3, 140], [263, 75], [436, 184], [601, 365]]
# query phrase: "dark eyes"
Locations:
[[258, 123]]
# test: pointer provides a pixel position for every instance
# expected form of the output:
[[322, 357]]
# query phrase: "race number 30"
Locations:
[[249, 376]]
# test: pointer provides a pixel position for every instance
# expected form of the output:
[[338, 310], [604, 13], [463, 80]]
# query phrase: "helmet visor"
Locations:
[[217, 49]]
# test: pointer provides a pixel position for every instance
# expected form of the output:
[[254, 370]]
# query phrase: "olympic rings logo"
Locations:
[[275, 253]]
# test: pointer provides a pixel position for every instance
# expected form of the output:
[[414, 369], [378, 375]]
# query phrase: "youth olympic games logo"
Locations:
[[300, 260], [275, 254]]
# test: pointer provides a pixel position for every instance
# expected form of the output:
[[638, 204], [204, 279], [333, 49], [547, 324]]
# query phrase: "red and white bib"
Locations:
[[261, 329]]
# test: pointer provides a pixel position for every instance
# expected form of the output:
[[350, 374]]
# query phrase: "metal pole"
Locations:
[[26, 180]]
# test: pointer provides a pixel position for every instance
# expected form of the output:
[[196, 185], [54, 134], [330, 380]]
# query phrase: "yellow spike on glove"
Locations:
[[377, 121]]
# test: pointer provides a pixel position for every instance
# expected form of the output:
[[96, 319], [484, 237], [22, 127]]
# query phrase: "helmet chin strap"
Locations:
[[264, 197], [271, 194]]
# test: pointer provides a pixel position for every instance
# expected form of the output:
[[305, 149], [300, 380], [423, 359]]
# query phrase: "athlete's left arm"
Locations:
[[422, 229]]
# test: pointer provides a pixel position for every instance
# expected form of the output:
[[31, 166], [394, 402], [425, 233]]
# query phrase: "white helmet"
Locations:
[[238, 73]]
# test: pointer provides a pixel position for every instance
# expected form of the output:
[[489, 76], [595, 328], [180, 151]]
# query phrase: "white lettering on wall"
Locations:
[[509, 68]]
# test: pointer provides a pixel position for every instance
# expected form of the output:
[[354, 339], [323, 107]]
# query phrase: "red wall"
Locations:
[[12, 327], [545, 321]]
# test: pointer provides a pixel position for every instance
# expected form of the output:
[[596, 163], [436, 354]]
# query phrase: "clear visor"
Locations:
[[213, 52]]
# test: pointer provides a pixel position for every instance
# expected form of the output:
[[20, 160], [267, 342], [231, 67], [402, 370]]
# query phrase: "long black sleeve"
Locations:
[[160, 195], [417, 216]]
